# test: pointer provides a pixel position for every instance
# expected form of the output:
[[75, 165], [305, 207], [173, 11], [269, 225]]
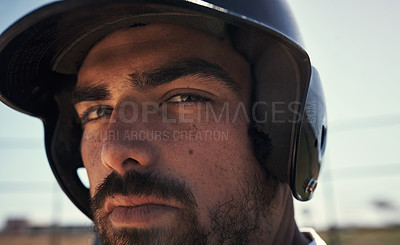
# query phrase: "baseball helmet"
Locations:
[[41, 53]]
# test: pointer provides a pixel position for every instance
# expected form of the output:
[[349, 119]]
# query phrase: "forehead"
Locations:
[[148, 47]]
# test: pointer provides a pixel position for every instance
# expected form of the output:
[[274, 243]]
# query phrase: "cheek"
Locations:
[[216, 164]]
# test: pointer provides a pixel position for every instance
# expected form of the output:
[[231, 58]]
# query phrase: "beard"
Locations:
[[234, 221]]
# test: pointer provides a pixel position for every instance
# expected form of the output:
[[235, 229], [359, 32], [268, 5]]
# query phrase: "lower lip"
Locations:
[[142, 216]]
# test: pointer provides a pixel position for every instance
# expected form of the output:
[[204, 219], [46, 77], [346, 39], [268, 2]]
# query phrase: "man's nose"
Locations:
[[129, 147]]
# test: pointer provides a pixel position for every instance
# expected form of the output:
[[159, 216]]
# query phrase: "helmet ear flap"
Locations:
[[311, 144], [63, 138]]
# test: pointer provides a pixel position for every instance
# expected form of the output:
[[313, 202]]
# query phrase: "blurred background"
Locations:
[[355, 46]]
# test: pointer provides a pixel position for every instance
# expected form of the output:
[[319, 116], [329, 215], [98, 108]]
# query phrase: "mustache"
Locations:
[[149, 183]]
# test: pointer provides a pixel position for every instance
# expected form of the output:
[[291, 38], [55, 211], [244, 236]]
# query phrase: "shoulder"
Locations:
[[314, 238]]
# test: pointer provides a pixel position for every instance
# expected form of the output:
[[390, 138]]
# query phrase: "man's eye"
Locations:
[[95, 113], [187, 98]]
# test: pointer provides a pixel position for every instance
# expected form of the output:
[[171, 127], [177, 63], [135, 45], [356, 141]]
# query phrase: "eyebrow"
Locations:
[[143, 81], [190, 67], [90, 93]]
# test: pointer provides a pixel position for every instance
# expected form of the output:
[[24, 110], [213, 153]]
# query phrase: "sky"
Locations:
[[354, 46]]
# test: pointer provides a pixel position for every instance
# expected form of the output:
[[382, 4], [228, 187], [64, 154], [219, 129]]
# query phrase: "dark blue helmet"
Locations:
[[41, 53]]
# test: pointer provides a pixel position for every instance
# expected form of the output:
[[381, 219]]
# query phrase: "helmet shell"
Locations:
[[41, 53]]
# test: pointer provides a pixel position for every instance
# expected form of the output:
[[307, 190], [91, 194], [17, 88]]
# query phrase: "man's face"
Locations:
[[165, 117]]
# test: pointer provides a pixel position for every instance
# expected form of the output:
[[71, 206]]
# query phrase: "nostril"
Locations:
[[130, 161], [123, 155]]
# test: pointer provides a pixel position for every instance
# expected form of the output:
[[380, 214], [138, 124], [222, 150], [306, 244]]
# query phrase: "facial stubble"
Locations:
[[233, 221]]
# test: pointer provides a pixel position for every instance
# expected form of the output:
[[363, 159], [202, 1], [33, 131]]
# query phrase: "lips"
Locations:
[[140, 212]]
